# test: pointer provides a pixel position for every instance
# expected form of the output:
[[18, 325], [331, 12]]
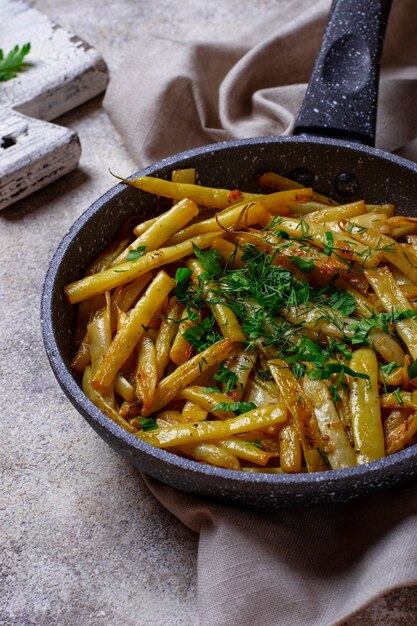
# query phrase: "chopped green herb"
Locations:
[[281, 233], [203, 335], [324, 456], [226, 376], [389, 367], [334, 368], [235, 407], [363, 327], [136, 253], [210, 261], [330, 243], [13, 62], [182, 279], [342, 301], [305, 265], [334, 390], [256, 443], [298, 369], [201, 363], [148, 423], [358, 229], [396, 393]]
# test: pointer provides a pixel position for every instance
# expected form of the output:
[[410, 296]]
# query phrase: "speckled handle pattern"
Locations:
[[341, 98]]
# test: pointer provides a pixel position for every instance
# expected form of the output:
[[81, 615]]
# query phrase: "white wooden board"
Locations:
[[64, 72]]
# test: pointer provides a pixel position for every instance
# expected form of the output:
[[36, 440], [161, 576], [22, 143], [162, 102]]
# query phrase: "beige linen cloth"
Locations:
[[311, 567]]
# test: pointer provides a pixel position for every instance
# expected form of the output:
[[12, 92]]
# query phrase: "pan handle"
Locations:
[[341, 98]]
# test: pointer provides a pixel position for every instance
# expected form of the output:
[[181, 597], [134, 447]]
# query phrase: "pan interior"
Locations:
[[366, 173]]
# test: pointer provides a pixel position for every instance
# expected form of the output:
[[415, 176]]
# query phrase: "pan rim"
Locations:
[[332, 480]]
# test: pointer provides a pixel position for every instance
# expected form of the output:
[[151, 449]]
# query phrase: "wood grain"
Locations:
[[63, 72]]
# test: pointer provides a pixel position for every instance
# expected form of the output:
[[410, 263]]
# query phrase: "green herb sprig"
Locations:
[[13, 62]]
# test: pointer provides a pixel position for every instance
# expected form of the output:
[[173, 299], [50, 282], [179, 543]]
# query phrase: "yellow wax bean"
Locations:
[[392, 298], [334, 440], [180, 434], [365, 408], [238, 216], [128, 271], [162, 228], [290, 449], [224, 316], [212, 454], [302, 412], [186, 373], [132, 330]]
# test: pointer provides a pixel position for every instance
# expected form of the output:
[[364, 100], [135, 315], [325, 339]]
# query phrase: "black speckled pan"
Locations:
[[342, 167]]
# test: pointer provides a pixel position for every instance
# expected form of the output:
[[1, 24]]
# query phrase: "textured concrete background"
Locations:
[[82, 541]]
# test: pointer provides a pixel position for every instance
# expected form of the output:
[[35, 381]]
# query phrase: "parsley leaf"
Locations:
[[13, 62], [298, 369], [305, 265], [389, 367], [330, 243], [226, 376], [136, 253], [334, 390], [334, 368], [148, 423], [210, 260], [203, 335], [281, 233], [235, 407], [256, 443], [363, 327], [182, 278], [342, 301]]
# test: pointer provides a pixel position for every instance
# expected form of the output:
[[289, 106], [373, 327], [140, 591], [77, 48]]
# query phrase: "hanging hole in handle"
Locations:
[[303, 176], [346, 184]]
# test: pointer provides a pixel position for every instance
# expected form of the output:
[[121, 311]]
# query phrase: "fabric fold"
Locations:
[[310, 567]]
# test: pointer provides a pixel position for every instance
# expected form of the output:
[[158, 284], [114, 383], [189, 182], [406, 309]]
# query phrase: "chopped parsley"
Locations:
[[210, 261], [235, 407], [342, 301], [325, 371], [305, 265], [329, 243], [203, 335], [363, 327], [226, 376], [388, 367], [256, 443], [13, 62], [148, 423], [136, 253]]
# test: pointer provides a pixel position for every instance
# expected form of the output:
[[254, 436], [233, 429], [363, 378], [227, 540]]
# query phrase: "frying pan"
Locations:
[[332, 148]]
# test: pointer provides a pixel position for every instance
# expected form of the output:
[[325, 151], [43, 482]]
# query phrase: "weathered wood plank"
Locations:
[[31, 158], [64, 72]]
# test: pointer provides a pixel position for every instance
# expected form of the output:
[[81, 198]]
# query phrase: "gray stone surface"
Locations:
[[82, 540]]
